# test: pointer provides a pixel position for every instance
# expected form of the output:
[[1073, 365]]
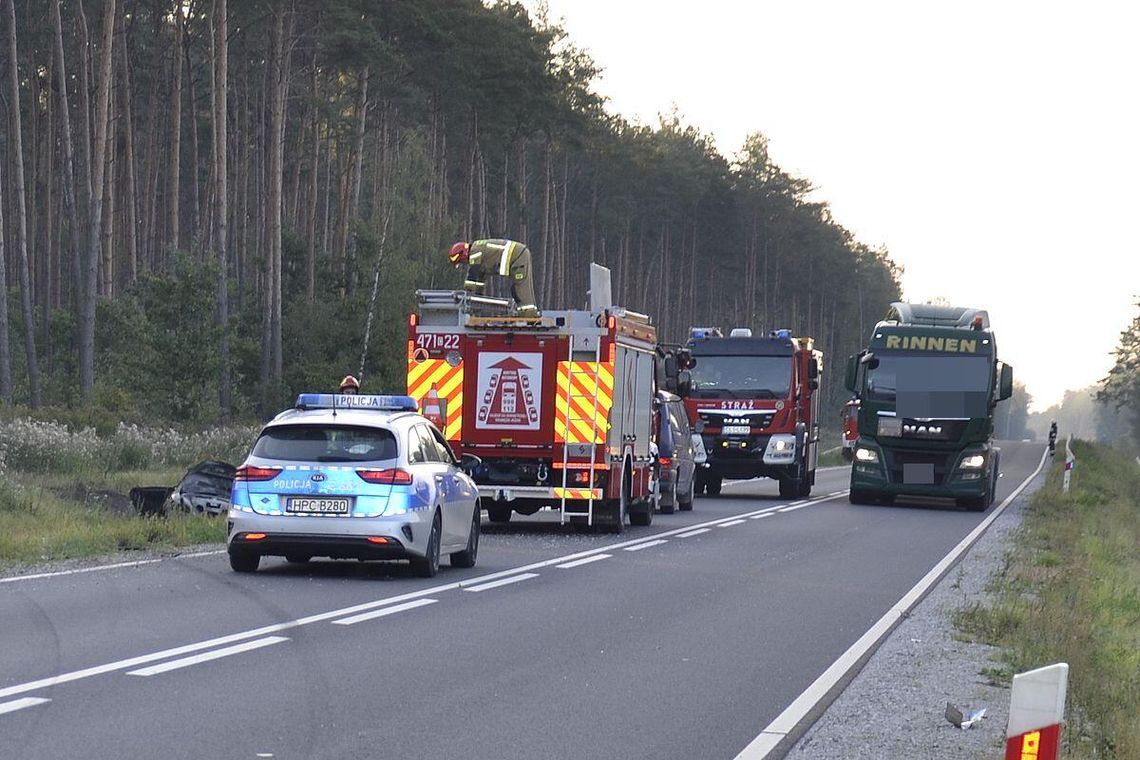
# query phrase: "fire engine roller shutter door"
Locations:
[[574, 403], [448, 382]]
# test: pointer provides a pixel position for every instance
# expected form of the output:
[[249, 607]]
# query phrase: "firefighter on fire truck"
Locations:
[[508, 258]]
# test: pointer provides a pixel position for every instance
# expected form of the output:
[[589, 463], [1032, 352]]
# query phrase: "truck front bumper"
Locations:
[[889, 474]]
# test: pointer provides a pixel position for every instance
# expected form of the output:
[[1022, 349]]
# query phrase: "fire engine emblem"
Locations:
[[510, 391]]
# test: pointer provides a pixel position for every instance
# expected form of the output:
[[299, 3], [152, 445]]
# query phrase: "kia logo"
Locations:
[[317, 477]]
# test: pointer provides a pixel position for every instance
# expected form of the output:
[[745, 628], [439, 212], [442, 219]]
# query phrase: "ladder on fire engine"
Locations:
[[569, 396]]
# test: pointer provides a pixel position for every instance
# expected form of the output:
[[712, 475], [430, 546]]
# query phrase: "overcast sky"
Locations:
[[993, 147]]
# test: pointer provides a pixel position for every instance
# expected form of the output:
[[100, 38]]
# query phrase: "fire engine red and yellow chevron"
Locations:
[[448, 384], [581, 392], [578, 493]]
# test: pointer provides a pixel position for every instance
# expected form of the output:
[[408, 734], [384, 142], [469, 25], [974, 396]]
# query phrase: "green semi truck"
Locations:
[[928, 383]]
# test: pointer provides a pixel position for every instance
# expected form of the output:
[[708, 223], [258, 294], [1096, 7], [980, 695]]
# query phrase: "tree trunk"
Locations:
[[99, 161], [5, 350], [74, 234], [129, 170], [355, 181], [174, 178], [196, 190], [17, 150], [278, 90], [311, 251], [221, 193]]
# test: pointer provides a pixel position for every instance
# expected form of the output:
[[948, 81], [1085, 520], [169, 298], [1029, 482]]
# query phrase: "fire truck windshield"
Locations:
[[742, 377]]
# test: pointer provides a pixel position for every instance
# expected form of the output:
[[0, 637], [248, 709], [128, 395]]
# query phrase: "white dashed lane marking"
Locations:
[[583, 561], [502, 582], [696, 532], [216, 654], [646, 545], [20, 704], [385, 611], [730, 523]]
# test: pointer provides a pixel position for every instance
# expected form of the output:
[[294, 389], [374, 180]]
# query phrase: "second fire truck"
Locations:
[[754, 406]]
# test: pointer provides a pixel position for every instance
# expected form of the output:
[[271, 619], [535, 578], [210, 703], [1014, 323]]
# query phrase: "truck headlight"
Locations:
[[866, 455], [782, 445], [973, 462]]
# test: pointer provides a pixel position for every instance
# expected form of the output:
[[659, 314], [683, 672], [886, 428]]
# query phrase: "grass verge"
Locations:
[[1070, 592], [42, 520]]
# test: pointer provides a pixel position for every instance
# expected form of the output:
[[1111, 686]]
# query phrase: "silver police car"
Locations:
[[352, 477]]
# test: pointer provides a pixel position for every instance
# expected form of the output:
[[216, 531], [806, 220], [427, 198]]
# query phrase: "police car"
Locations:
[[352, 477]]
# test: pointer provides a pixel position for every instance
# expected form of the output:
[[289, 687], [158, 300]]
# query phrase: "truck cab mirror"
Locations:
[[869, 360], [813, 384], [852, 376], [672, 366], [813, 371], [1005, 386], [684, 383]]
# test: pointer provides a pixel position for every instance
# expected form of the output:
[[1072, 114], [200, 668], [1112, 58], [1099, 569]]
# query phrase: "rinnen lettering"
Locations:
[[932, 343]]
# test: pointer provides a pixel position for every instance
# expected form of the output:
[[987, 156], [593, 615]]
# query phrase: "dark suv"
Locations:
[[674, 466]]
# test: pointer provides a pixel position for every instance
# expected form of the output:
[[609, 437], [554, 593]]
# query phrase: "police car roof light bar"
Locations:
[[347, 401]]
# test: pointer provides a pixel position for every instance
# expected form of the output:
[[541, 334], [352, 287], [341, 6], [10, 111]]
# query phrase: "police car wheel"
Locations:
[[466, 558], [244, 562], [428, 565], [712, 486]]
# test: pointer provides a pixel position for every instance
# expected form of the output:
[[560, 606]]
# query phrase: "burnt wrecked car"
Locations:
[[205, 488]]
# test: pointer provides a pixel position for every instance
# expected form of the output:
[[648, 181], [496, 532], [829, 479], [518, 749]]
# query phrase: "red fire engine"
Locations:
[[754, 406], [557, 408]]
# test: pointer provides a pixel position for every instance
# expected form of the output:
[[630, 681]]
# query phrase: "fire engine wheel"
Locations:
[[620, 508], [640, 513], [499, 514]]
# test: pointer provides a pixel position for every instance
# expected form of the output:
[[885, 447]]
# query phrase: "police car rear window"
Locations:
[[326, 443]]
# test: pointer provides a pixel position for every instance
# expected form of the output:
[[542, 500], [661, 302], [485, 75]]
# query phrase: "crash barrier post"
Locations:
[[1070, 463], [1036, 709], [150, 500]]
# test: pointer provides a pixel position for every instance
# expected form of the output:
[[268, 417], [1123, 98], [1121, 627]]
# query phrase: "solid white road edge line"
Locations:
[[217, 654], [384, 611], [583, 561], [20, 704], [76, 675], [77, 571], [646, 545], [758, 517], [785, 722], [502, 582], [794, 507]]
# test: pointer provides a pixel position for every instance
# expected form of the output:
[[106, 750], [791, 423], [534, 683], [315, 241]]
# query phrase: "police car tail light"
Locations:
[[389, 477], [666, 462], [253, 472]]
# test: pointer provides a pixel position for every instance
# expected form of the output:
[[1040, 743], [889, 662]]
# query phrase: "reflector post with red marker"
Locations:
[[1036, 710]]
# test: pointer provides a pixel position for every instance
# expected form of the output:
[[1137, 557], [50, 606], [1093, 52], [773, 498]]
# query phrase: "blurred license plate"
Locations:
[[736, 430], [318, 504]]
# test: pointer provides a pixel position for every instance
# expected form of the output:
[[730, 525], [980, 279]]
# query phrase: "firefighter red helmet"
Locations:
[[458, 253], [349, 385]]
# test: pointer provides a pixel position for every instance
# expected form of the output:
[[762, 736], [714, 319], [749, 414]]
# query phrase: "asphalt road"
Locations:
[[680, 640]]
